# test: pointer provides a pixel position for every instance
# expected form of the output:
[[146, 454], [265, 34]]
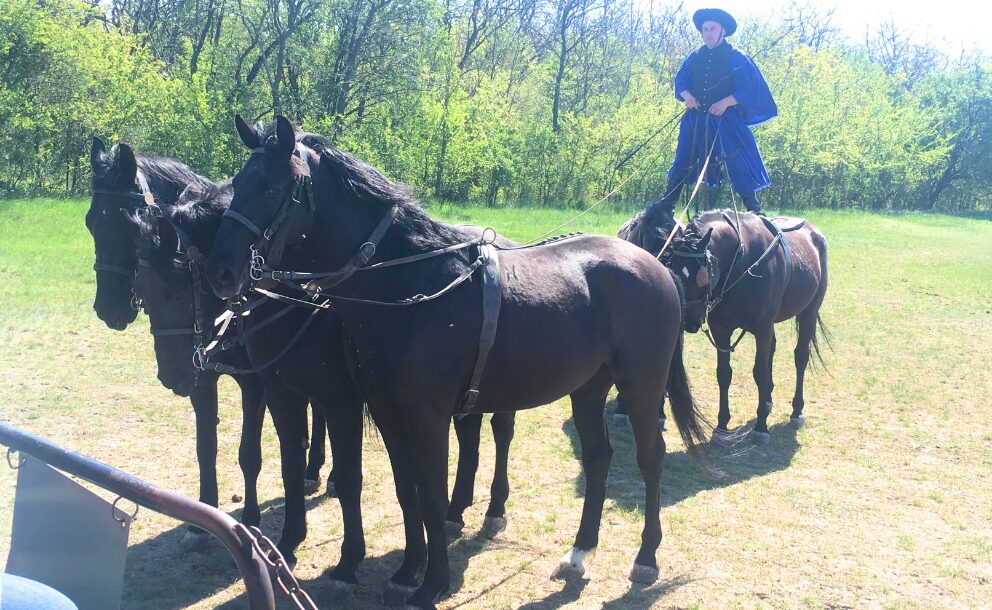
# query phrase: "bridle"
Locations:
[[189, 257], [144, 197], [272, 241]]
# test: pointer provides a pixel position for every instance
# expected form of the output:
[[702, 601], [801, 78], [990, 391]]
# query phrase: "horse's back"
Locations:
[[582, 303]]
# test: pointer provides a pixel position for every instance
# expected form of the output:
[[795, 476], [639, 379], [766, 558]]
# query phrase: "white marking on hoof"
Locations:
[[337, 589], [396, 595], [453, 529], [797, 422], [621, 419], [574, 565], [721, 438], [760, 438], [310, 486], [644, 574], [194, 541], [331, 491], [493, 526]]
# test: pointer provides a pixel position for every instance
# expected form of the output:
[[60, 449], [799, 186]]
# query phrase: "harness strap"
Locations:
[[231, 370], [229, 213], [730, 349], [492, 299], [98, 266]]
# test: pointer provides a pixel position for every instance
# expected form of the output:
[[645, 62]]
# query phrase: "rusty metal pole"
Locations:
[[252, 566]]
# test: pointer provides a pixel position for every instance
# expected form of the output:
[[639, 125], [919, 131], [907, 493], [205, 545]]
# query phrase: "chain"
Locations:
[[14, 465], [279, 570]]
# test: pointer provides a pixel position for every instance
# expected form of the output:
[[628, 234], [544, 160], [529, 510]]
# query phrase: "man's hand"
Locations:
[[718, 108], [691, 103]]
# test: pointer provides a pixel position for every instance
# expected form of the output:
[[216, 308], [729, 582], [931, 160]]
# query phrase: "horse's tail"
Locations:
[[825, 335], [689, 420]]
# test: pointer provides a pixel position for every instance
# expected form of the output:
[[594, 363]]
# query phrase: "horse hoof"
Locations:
[[396, 595], [574, 565], [338, 589], [331, 491], [721, 438], [493, 526], [646, 575], [760, 438], [797, 422], [621, 419], [311, 486], [453, 529], [194, 541]]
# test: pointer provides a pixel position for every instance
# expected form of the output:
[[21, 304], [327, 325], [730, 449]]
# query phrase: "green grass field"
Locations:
[[884, 499]]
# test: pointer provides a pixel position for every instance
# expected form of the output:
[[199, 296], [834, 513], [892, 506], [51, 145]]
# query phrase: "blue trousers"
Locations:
[[733, 148], [17, 593]]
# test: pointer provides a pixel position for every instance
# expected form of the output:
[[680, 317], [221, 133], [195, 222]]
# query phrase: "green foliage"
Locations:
[[456, 99]]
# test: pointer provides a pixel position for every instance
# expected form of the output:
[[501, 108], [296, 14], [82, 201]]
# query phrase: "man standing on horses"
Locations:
[[724, 95]]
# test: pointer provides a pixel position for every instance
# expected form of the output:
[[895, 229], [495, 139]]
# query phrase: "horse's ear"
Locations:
[[126, 164], [285, 135], [247, 133], [96, 152], [705, 241]]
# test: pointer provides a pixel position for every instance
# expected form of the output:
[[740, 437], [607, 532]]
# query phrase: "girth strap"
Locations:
[[492, 299], [777, 232]]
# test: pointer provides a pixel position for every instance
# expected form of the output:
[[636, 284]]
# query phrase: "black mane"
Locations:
[[199, 211], [365, 184]]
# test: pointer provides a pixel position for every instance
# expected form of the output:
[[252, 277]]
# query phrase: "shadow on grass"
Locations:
[[159, 575], [683, 477]]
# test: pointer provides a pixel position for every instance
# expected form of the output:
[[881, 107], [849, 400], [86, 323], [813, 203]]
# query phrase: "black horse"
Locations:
[[281, 341], [122, 184], [744, 271], [575, 317]]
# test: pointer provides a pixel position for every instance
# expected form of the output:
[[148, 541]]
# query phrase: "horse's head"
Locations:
[[116, 193], [651, 228], [691, 260], [175, 304], [268, 209]]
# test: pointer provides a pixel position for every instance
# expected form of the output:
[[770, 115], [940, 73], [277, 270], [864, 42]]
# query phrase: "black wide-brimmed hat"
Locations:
[[715, 14]]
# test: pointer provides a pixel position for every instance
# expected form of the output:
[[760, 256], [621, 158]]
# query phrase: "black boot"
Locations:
[[751, 203]]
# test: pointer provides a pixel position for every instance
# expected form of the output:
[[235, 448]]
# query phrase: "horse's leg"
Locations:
[[764, 342], [806, 327], [467, 429], [316, 457], [650, 456], [724, 375], [204, 401], [250, 449], [289, 415], [404, 580], [345, 431], [590, 423], [495, 522], [428, 431]]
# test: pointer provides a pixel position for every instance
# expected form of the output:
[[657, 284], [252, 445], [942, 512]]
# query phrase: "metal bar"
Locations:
[[252, 566]]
